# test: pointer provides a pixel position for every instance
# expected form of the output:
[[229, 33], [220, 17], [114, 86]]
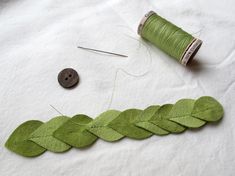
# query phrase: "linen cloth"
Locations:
[[39, 38]]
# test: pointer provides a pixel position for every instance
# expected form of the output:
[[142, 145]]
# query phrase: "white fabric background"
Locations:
[[39, 38]]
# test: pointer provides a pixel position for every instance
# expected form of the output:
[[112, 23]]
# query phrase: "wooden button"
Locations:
[[68, 78]]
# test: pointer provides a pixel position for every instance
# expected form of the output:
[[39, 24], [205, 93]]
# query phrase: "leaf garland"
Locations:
[[59, 134]]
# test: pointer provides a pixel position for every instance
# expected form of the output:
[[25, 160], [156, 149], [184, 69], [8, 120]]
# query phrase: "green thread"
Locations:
[[59, 134], [166, 36]]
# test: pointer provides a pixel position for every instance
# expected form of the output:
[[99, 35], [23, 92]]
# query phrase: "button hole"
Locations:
[[66, 78], [70, 75]]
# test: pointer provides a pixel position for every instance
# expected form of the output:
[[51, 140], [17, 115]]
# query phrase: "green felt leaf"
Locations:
[[144, 123], [125, 124], [18, 141], [147, 114], [181, 113], [161, 119], [207, 108], [74, 132], [152, 128], [43, 136], [99, 126]]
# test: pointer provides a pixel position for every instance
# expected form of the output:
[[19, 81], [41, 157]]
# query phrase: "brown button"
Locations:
[[68, 78]]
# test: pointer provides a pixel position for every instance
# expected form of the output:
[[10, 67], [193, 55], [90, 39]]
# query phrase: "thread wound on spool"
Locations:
[[142, 22], [168, 37]]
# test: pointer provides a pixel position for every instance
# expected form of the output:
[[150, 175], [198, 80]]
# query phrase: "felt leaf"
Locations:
[[43, 136], [144, 123], [207, 108], [74, 132], [147, 114], [125, 124], [99, 126], [152, 128], [18, 141], [181, 113], [160, 118]]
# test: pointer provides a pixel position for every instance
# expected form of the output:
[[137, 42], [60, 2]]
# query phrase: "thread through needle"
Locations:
[[56, 110], [101, 51]]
